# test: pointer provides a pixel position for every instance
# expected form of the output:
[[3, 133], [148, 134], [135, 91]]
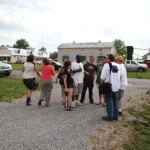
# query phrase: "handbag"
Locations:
[[105, 88]]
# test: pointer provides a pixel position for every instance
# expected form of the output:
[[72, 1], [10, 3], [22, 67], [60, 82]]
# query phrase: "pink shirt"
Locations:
[[47, 72]]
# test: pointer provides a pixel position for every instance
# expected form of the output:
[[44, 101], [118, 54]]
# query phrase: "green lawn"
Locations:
[[141, 133], [18, 67], [11, 87], [140, 75]]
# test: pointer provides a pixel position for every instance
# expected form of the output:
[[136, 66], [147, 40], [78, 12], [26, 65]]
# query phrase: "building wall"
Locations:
[[83, 52]]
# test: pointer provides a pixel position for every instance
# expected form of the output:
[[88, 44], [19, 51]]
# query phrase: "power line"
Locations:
[[143, 49]]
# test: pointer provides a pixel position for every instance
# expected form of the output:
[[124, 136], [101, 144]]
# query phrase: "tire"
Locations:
[[140, 69], [7, 74]]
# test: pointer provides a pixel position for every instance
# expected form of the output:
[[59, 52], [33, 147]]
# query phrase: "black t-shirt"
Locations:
[[91, 69], [69, 78]]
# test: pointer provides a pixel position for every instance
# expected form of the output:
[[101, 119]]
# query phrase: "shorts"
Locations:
[[78, 89], [120, 94], [30, 84]]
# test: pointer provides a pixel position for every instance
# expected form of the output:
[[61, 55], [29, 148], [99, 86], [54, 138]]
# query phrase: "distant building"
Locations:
[[12, 55], [146, 56], [96, 49]]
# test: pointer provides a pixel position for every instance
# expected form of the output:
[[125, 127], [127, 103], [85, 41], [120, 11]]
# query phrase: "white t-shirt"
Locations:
[[113, 78], [78, 76], [123, 82], [29, 70]]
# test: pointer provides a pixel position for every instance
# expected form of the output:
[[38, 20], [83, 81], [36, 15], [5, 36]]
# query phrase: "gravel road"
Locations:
[[52, 128]]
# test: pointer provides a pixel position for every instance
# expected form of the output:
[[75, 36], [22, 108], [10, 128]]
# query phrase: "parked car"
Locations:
[[20, 62], [38, 62], [132, 65], [5, 69], [56, 64]]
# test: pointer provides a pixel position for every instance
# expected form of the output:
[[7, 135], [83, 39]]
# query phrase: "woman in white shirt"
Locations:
[[29, 71]]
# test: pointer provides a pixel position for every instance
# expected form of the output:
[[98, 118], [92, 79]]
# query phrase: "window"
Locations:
[[128, 62], [132, 62], [65, 57]]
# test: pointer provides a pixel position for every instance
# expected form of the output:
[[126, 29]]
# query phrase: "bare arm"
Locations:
[[22, 69], [36, 70]]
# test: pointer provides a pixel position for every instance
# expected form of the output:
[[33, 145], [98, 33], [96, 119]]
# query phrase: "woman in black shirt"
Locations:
[[68, 84]]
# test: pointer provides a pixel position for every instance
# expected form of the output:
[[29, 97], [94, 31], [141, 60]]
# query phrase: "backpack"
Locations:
[[113, 68]]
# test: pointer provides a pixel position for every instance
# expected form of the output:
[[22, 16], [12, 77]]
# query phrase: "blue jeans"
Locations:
[[111, 100]]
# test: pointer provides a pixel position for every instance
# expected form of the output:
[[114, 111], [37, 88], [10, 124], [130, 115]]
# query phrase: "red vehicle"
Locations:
[[148, 63]]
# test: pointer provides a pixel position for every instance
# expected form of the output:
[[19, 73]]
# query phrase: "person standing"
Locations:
[[88, 82], [77, 69], [112, 76], [123, 82], [68, 84], [60, 77], [99, 70], [47, 71], [29, 70]]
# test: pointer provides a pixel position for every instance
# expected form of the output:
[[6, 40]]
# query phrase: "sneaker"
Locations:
[[104, 104], [77, 103], [106, 118], [73, 105], [91, 102]]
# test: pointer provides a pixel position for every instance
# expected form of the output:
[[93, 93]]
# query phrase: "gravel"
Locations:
[[52, 128]]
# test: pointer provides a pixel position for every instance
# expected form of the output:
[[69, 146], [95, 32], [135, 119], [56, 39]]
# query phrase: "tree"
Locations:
[[22, 43], [54, 55], [120, 47], [42, 49]]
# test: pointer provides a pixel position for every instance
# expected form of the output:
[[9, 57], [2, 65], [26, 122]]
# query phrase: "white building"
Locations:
[[12, 55], [96, 49]]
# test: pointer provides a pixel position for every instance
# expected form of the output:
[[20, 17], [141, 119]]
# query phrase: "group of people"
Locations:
[[30, 70], [75, 78]]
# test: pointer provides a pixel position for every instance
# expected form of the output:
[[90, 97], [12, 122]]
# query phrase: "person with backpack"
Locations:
[[111, 74]]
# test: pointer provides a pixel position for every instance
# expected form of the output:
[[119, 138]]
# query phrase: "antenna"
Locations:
[[42, 35]]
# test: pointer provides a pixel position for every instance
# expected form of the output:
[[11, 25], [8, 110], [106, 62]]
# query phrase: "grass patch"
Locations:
[[18, 67], [139, 75], [141, 133], [11, 87]]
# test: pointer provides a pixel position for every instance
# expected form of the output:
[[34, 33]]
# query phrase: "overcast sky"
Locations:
[[49, 23]]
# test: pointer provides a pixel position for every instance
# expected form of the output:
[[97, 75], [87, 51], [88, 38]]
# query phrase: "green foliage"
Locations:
[[54, 55], [120, 47], [129, 52], [22, 43], [42, 49]]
